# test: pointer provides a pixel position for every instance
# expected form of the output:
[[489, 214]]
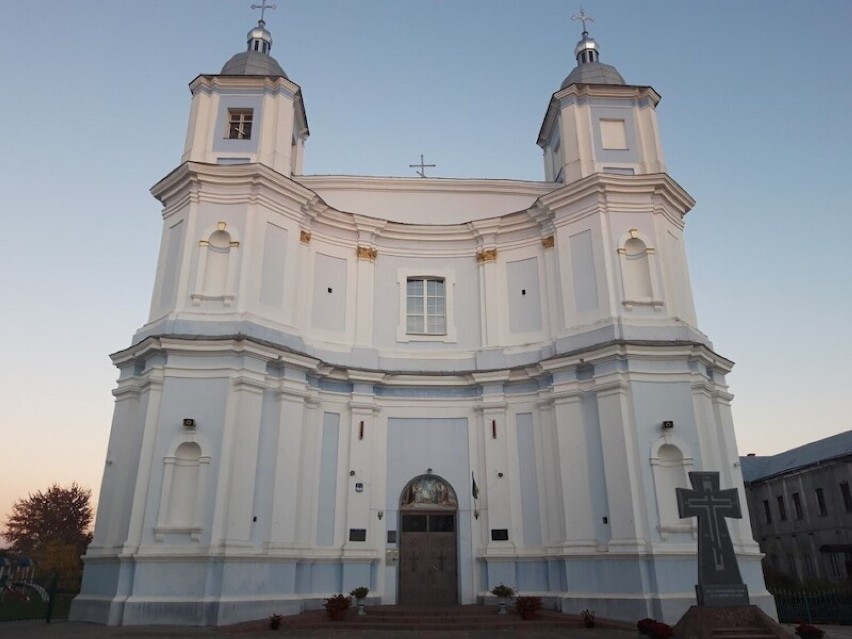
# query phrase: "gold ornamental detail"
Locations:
[[486, 255], [547, 242], [305, 237], [367, 253]]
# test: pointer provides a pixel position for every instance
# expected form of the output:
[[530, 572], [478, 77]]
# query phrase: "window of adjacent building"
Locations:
[[426, 306], [767, 512], [782, 509], [820, 498], [834, 565], [847, 496], [808, 565], [797, 505], [239, 124]]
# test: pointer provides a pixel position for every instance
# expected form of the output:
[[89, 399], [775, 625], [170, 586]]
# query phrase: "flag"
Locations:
[[474, 488]]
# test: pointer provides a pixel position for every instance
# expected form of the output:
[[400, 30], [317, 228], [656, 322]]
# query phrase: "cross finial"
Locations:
[[422, 167], [583, 18], [263, 7]]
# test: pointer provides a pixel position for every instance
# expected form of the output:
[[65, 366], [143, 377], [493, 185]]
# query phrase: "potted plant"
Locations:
[[527, 607], [807, 631], [360, 594], [337, 606], [275, 621], [588, 617], [503, 594], [653, 628]]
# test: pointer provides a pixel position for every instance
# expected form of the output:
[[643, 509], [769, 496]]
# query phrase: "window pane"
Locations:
[[442, 523], [415, 305], [415, 324], [415, 287], [435, 287], [414, 523]]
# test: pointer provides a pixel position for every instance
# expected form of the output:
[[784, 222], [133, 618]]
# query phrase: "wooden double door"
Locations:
[[428, 558]]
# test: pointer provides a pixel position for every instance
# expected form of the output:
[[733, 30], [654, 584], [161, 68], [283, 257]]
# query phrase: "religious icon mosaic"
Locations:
[[428, 491]]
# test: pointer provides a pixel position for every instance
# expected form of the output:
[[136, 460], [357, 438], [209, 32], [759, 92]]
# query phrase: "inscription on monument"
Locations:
[[719, 580]]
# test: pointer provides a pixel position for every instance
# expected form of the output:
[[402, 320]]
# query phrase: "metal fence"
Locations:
[[830, 606], [33, 599]]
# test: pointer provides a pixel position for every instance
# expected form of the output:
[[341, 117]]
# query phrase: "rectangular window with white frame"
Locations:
[[426, 306], [239, 124]]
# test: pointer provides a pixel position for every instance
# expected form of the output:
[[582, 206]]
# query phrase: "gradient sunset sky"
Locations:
[[755, 120]]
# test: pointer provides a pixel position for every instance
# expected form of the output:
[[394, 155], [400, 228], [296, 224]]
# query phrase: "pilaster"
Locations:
[[152, 388], [291, 396], [624, 485], [572, 450]]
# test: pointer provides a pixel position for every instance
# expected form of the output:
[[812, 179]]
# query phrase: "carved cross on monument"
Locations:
[[719, 580]]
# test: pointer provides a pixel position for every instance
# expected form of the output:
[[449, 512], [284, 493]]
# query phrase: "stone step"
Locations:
[[435, 619], [742, 633]]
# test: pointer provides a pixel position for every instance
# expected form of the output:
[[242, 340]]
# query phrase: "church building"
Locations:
[[426, 386]]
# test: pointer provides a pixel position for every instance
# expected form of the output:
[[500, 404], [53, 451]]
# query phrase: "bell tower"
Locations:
[[250, 112], [596, 123]]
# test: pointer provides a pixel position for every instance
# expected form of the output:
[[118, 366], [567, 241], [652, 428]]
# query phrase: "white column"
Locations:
[[238, 465], [153, 389], [364, 295], [572, 450], [554, 518], [624, 485], [288, 462], [306, 500]]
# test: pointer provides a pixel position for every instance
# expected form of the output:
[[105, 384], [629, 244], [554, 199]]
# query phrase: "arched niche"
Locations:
[[671, 462], [182, 493], [639, 277], [217, 267]]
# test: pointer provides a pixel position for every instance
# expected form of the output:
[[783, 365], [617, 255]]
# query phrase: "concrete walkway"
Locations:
[[73, 630]]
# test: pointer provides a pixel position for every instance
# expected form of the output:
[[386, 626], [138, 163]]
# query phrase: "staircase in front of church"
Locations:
[[443, 619]]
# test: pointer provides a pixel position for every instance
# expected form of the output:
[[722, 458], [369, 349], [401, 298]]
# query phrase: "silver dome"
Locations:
[[593, 73]]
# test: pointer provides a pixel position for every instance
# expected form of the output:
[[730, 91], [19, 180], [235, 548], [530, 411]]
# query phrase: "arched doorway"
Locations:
[[428, 545]]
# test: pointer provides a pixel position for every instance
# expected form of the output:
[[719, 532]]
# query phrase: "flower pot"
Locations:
[[336, 615], [502, 601], [360, 604]]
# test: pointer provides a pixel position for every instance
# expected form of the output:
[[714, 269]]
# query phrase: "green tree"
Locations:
[[52, 528]]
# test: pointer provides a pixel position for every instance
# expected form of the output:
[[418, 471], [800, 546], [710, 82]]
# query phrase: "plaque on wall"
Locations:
[[391, 536], [357, 534], [499, 534]]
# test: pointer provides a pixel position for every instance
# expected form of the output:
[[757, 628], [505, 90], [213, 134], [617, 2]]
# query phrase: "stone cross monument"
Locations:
[[719, 580]]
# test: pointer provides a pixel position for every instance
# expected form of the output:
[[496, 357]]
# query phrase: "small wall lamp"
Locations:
[[381, 514]]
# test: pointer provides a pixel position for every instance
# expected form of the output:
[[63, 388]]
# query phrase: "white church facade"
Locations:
[[423, 386]]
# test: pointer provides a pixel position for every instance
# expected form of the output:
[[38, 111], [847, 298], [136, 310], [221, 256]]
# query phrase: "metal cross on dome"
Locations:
[[583, 18], [263, 7]]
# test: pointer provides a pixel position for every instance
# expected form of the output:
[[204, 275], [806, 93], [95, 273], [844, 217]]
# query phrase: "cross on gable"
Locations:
[[422, 167]]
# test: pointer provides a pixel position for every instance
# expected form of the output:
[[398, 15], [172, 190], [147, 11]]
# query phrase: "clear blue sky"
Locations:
[[755, 119]]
